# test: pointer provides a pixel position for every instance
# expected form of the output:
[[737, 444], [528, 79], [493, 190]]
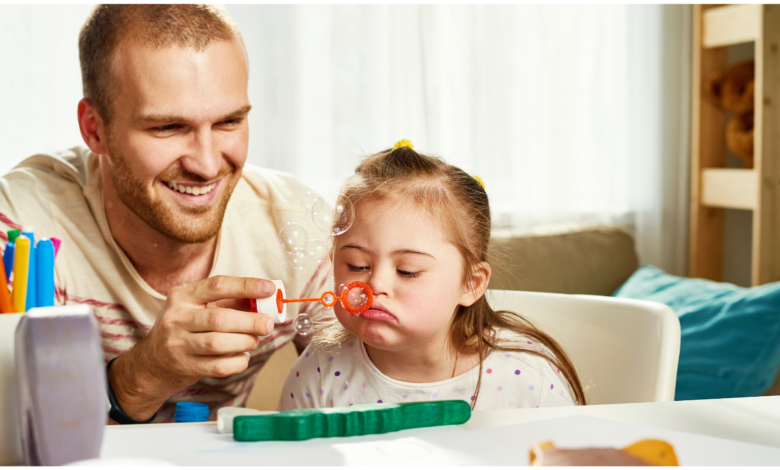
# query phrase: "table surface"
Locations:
[[752, 420]]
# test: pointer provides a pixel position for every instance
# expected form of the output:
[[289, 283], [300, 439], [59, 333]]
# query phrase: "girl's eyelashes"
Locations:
[[401, 272], [409, 274]]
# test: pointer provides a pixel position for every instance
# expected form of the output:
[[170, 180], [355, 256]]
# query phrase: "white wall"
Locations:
[[40, 79]]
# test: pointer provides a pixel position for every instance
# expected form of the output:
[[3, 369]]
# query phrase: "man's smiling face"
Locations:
[[179, 134]]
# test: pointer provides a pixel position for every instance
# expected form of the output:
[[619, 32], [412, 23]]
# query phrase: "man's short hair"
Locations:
[[157, 26]]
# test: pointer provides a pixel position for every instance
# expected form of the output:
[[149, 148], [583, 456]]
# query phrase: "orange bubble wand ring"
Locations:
[[329, 299]]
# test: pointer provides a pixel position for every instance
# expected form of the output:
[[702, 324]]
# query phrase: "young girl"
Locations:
[[420, 241]]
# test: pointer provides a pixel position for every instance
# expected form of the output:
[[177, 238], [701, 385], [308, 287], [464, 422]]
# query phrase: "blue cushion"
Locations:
[[730, 343]]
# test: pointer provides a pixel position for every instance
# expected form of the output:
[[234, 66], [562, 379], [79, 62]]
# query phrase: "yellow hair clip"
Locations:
[[479, 180], [403, 143]]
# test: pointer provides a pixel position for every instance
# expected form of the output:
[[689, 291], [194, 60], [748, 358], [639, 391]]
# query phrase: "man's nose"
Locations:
[[203, 156]]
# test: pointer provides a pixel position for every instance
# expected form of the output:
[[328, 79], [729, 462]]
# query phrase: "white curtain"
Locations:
[[567, 112]]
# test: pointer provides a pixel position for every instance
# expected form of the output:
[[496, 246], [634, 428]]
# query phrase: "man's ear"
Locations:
[[92, 128], [477, 284]]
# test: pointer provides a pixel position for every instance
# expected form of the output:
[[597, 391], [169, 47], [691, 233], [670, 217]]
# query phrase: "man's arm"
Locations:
[[204, 330]]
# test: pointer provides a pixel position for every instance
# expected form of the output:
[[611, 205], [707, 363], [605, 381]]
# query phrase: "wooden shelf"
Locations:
[[732, 24], [714, 187], [729, 188]]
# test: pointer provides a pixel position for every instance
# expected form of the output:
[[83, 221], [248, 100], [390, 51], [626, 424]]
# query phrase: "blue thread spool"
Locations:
[[189, 412]]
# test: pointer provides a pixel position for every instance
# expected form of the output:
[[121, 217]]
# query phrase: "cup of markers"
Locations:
[[27, 277], [189, 412]]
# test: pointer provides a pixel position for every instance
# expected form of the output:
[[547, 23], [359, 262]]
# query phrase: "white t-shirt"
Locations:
[[61, 195], [343, 375]]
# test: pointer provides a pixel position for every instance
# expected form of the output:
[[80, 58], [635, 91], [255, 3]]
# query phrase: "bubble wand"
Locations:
[[356, 298]]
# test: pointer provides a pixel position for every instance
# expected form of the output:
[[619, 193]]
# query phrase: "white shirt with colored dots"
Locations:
[[343, 375]]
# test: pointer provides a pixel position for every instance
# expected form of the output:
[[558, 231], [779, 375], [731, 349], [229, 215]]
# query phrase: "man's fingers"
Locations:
[[223, 320], [218, 344], [219, 288], [223, 366], [233, 304]]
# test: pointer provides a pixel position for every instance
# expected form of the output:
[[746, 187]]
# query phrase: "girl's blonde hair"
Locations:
[[460, 204]]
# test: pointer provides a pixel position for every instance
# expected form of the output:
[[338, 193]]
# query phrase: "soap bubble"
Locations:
[[308, 199], [356, 297], [293, 237], [333, 219], [303, 324], [327, 298], [317, 250], [299, 259]]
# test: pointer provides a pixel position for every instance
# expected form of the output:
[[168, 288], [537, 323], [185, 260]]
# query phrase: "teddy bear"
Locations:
[[732, 89]]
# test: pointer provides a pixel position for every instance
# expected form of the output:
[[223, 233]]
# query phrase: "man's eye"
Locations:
[[166, 128], [409, 273], [357, 268]]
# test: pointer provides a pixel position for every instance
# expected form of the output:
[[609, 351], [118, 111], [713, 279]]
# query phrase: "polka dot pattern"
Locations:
[[498, 392]]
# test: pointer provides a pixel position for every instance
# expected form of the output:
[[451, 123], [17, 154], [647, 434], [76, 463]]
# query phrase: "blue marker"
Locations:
[[31, 278], [44, 273], [8, 259]]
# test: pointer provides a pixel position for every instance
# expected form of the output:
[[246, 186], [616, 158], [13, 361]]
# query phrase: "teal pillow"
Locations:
[[730, 343]]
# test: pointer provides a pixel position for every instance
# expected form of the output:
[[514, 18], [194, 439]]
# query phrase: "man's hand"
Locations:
[[206, 329]]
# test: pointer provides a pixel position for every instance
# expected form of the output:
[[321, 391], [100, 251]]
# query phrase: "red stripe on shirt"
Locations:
[[4, 218]]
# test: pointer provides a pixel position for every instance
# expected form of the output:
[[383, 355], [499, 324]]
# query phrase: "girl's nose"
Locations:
[[378, 281]]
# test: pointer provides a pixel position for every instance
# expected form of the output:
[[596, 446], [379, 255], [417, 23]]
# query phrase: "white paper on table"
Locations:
[[446, 445]]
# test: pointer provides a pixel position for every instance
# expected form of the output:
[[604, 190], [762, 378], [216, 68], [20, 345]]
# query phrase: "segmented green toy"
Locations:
[[359, 420]]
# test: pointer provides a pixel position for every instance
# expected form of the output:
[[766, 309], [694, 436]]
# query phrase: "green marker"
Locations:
[[13, 234], [359, 420]]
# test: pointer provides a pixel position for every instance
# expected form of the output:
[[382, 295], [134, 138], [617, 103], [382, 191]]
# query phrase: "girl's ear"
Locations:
[[477, 284]]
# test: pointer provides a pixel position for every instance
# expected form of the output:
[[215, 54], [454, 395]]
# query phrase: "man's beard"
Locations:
[[193, 224]]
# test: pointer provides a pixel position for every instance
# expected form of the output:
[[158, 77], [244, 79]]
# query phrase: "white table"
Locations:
[[751, 420]]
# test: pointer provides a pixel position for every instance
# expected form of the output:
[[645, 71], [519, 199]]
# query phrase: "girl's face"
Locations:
[[416, 276]]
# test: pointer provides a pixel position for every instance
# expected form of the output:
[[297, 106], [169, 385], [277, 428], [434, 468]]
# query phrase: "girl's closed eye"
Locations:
[[409, 274], [357, 269]]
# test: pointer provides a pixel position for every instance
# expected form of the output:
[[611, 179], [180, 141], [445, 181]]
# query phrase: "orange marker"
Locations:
[[21, 271], [5, 298]]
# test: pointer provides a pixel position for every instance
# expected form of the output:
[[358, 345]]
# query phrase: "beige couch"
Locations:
[[570, 259]]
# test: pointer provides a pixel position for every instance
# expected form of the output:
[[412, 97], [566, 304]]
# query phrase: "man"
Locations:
[[165, 231]]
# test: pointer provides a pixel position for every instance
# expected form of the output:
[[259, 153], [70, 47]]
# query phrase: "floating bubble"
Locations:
[[299, 259], [356, 297], [336, 219], [341, 289], [317, 250], [293, 237], [303, 324], [308, 199]]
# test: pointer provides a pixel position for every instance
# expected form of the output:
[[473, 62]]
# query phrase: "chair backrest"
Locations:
[[624, 350]]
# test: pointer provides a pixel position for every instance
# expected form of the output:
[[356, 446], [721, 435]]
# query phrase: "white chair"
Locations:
[[624, 350]]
